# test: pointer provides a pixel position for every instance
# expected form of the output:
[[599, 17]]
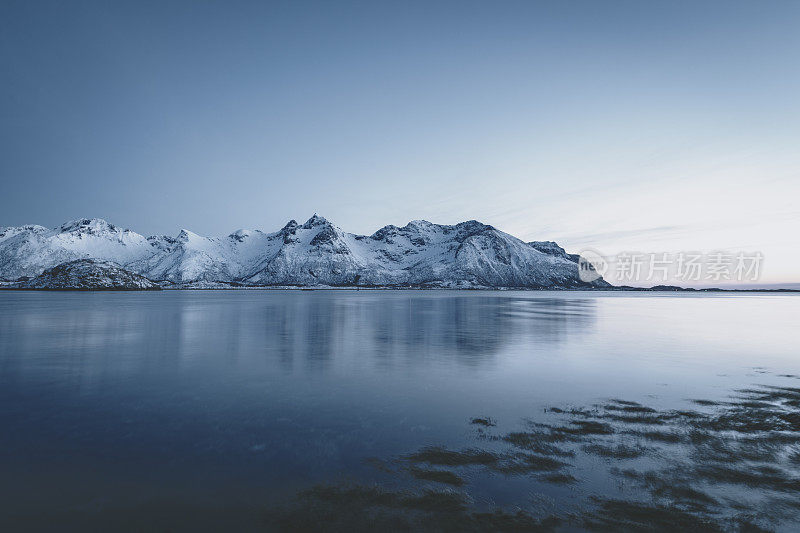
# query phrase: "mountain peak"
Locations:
[[474, 224], [241, 234], [315, 220], [10, 231], [289, 227], [86, 225], [419, 225], [185, 236]]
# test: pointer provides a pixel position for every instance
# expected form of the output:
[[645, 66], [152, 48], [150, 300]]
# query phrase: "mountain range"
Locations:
[[316, 253]]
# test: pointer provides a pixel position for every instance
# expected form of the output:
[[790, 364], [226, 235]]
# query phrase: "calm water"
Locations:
[[193, 408]]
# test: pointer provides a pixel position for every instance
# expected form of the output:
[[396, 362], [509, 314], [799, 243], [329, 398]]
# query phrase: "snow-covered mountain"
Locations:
[[29, 250], [469, 254]]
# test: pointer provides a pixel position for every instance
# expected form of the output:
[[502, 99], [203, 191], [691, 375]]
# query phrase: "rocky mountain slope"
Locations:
[[88, 274], [469, 254]]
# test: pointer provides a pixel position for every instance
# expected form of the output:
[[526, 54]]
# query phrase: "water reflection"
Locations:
[[192, 391], [471, 329], [116, 403], [299, 332]]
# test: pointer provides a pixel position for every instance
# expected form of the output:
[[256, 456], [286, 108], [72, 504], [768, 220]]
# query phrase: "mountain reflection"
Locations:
[[299, 332], [470, 328], [390, 330]]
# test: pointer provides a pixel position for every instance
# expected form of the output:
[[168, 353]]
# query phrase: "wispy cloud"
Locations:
[[597, 239]]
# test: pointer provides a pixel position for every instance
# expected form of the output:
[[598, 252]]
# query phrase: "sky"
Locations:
[[617, 126]]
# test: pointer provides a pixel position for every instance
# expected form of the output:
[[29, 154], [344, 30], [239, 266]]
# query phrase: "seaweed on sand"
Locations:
[[436, 455], [621, 515], [618, 451], [505, 463], [483, 421], [731, 467], [538, 442], [438, 476]]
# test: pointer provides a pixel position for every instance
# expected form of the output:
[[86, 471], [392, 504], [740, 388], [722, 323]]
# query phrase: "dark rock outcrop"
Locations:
[[88, 274]]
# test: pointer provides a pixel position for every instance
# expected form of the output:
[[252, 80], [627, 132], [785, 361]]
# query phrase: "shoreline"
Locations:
[[390, 288]]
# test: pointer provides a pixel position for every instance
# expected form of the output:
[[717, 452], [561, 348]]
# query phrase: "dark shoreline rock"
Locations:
[[89, 275]]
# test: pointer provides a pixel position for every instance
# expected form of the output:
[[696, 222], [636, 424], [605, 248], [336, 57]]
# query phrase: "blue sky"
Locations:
[[649, 126]]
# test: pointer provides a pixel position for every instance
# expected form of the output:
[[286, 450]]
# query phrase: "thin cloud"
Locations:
[[599, 238]]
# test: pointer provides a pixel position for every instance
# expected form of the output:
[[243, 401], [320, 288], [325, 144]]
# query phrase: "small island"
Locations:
[[88, 275]]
